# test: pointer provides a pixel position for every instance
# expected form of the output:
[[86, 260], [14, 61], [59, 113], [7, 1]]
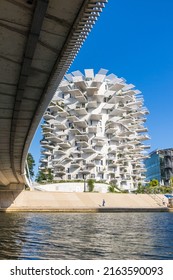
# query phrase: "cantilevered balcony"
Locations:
[[81, 137], [75, 92], [143, 137], [47, 116], [92, 129], [81, 111], [80, 83], [89, 150], [81, 123], [96, 117], [117, 112], [46, 153], [75, 164], [43, 160], [60, 126], [91, 90], [55, 139], [64, 145], [59, 172], [92, 104]]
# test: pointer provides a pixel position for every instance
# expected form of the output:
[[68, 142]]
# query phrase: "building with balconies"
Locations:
[[159, 166], [94, 127]]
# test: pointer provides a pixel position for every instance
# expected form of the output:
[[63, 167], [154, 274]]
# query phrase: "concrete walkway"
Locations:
[[78, 202]]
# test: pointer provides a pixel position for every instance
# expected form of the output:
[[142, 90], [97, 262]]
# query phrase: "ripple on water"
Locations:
[[86, 236]]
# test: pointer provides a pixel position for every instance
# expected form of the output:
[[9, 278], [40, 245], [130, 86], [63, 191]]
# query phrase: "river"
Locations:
[[61, 236]]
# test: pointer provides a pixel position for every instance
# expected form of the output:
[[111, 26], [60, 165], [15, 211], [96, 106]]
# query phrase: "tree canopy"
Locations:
[[31, 164]]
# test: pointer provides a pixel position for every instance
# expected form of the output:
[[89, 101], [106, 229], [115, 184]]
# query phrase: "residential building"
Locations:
[[159, 166], [94, 127]]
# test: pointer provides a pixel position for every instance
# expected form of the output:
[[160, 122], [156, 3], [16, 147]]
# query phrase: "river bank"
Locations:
[[80, 202]]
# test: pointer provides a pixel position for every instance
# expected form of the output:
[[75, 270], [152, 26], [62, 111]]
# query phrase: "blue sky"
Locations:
[[134, 39]]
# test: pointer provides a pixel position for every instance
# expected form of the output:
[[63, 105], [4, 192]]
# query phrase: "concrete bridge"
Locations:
[[38, 41]]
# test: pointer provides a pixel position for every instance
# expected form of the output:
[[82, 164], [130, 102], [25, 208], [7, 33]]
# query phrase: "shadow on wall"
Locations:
[[8, 196]]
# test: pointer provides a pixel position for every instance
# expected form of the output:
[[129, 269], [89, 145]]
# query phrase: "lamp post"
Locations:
[[84, 177]]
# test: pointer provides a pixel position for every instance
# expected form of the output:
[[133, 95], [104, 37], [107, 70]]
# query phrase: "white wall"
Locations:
[[71, 187]]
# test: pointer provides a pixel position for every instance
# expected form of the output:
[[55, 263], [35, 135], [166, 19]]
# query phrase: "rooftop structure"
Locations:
[[94, 127], [159, 166]]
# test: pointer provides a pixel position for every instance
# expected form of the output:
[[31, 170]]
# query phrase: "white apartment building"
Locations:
[[94, 128]]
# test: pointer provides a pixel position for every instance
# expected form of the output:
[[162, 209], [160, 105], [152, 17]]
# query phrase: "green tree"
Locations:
[[90, 185], [31, 164], [154, 183], [171, 181], [44, 175]]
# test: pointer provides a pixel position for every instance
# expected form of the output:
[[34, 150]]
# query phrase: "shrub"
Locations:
[[112, 189], [90, 185]]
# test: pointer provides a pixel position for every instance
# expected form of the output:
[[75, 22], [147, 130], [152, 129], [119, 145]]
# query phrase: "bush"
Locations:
[[112, 189], [90, 185]]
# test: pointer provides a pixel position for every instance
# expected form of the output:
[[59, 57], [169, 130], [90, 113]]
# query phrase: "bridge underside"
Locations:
[[38, 41]]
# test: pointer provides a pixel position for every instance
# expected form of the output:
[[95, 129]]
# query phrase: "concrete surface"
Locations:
[[76, 202]]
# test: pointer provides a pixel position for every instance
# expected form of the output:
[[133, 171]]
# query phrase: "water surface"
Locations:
[[86, 236]]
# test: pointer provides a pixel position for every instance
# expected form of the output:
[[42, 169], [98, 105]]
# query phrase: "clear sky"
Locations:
[[134, 40]]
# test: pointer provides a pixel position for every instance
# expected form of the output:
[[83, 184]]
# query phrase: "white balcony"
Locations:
[[47, 153], [81, 111], [99, 97], [44, 160], [143, 137], [90, 164], [92, 104], [59, 172], [63, 114], [64, 86], [75, 164], [60, 126], [92, 129], [72, 118], [48, 146], [59, 152], [117, 112], [144, 129], [82, 137], [47, 116], [83, 144], [99, 156], [54, 139], [44, 142], [75, 92], [117, 87], [89, 150], [91, 90], [81, 123], [96, 117], [81, 99], [65, 145], [59, 166]]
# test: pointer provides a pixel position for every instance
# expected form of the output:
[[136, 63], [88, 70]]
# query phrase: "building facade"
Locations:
[[159, 166], [94, 128]]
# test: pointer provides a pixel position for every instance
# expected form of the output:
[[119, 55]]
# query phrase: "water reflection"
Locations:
[[86, 236]]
